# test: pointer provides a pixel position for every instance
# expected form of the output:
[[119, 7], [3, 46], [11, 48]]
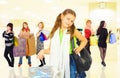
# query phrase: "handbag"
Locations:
[[108, 38], [31, 46], [112, 38], [20, 50], [15, 41], [93, 40], [42, 37], [83, 60]]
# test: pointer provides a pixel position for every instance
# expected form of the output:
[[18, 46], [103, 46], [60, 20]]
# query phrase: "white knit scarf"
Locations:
[[59, 55]]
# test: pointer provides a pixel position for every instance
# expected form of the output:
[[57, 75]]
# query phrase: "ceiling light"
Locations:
[[102, 5], [17, 8]]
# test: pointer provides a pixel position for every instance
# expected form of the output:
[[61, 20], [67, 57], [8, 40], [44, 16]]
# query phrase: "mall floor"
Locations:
[[111, 70]]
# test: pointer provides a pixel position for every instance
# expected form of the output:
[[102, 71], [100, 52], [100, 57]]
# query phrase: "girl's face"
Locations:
[[88, 24], [8, 28], [105, 25], [40, 26], [25, 25], [67, 20]]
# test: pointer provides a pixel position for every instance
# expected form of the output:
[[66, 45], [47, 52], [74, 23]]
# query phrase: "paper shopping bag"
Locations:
[[112, 38], [20, 50], [15, 41], [93, 40], [31, 46]]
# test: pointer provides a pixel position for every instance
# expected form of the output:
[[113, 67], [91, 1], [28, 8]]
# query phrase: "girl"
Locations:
[[102, 33], [25, 33], [61, 58], [9, 37], [40, 44], [88, 32]]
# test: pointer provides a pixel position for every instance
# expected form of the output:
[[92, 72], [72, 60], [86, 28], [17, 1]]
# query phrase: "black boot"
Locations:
[[44, 61], [41, 63], [26, 57]]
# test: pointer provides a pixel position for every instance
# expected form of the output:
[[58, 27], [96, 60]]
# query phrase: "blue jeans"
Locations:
[[73, 70], [29, 60]]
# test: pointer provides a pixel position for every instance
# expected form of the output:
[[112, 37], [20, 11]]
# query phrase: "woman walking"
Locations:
[[102, 44]]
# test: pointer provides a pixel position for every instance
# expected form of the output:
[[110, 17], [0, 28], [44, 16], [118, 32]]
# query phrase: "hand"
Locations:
[[77, 50], [7, 31], [40, 55], [38, 34]]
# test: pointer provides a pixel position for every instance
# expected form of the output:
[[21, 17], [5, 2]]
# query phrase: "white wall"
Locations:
[[34, 11]]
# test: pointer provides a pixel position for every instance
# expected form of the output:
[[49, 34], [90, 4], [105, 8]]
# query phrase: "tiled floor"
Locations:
[[96, 71]]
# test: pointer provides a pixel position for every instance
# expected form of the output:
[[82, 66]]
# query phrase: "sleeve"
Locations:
[[11, 35], [3, 34], [97, 33], [87, 33], [6, 35], [106, 32]]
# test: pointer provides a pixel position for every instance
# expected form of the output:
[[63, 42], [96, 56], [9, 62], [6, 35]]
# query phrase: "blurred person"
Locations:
[[25, 33], [102, 33], [88, 32], [9, 44], [40, 43]]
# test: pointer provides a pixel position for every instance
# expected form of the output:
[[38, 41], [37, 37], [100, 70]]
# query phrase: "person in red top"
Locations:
[[88, 32]]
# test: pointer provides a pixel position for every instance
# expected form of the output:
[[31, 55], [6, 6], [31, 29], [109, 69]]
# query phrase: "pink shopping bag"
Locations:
[[20, 50]]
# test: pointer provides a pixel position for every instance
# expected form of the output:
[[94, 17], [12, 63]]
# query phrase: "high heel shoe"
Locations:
[[103, 63]]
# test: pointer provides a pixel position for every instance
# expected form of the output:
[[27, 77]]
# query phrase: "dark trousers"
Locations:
[[88, 46], [10, 59]]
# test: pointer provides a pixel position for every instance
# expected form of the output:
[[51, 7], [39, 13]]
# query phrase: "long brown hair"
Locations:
[[23, 28], [102, 23], [58, 23]]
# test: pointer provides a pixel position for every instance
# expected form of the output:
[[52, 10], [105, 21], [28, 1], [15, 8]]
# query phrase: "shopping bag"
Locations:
[[108, 38], [83, 60], [15, 41], [20, 50], [40, 72], [112, 38], [42, 37], [93, 40], [31, 46]]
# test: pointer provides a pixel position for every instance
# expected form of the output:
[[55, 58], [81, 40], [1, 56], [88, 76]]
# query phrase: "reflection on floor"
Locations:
[[96, 71]]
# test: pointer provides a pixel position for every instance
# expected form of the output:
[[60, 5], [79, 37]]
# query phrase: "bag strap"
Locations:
[[72, 41], [74, 45]]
